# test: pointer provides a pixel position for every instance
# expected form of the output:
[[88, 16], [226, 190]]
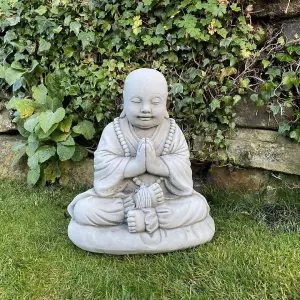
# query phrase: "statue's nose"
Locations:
[[146, 109]]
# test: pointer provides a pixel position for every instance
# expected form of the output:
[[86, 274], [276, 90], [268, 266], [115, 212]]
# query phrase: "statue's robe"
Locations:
[[103, 205]]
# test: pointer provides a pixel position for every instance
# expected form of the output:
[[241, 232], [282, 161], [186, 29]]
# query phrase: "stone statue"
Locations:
[[143, 199]]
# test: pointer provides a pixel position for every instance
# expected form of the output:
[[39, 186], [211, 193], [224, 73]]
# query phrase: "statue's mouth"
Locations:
[[145, 118]]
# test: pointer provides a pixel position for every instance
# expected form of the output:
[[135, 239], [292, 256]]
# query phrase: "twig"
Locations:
[[286, 10]]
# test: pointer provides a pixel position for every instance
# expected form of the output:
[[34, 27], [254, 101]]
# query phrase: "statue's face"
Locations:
[[145, 97]]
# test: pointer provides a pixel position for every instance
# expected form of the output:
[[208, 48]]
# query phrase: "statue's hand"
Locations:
[[154, 165], [151, 158], [141, 155], [137, 165]]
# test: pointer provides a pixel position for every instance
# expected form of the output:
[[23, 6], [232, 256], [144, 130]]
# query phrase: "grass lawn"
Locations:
[[255, 253]]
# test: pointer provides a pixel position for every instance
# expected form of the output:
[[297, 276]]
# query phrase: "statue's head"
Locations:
[[145, 98]]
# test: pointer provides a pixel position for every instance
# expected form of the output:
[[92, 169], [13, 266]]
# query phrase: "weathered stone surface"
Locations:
[[5, 121], [266, 150], [276, 8], [249, 116], [77, 174], [7, 156], [142, 171], [237, 178], [291, 28], [250, 179]]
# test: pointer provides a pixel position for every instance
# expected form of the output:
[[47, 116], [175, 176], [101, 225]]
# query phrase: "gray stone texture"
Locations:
[[5, 121], [77, 174], [245, 179], [249, 116], [291, 28], [7, 170], [264, 149], [275, 8]]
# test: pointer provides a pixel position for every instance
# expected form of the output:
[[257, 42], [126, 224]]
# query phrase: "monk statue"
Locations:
[[143, 199]]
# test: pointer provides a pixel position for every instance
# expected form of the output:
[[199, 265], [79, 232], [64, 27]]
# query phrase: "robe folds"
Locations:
[[104, 204]]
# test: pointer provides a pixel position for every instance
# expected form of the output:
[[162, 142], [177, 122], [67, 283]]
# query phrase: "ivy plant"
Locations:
[[63, 64]]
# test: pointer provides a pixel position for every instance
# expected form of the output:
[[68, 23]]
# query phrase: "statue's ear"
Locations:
[[167, 115], [123, 114]]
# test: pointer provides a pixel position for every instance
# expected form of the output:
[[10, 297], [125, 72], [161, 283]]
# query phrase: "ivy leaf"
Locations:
[[25, 108], [59, 136], [244, 83], [67, 21], [41, 155], [80, 153], [65, 124], [12, 103], [172, 57], [9, 36], [215, 103], [273, 72], [246, 53], [275, 109], [40, 93], [32, 146], [295, 134], [54, 84], [68, 51], [12, 75], [86, 38], [222, 32], [235, 8], [43, 46], [47, 119], [266, 63], [58, 29], [75, 26], [41, 10], [283, 128], [43, 24], [284, 57], [147, 2], [45, 152], [33, 175], [69, 142], [177, 88], [86, 128], [31, 122], [51, 172], [65, 152], [226, 72], [160, 29], [236, 99], [289, 79]]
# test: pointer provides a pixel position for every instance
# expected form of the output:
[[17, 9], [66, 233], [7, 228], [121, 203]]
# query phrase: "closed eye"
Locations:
[[136, 100], [156, 101]]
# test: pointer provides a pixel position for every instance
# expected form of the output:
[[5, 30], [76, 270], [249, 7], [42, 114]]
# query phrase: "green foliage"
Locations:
[[278, 85], [64, 63]]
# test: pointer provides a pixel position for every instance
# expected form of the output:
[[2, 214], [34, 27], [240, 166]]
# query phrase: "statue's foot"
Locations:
[[128, 205], [136, 221], [157, 195]]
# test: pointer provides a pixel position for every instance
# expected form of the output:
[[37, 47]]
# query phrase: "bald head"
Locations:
[[145, 96], [146, 81]]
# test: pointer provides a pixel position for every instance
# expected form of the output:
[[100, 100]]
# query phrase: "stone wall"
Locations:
[[260, 155]]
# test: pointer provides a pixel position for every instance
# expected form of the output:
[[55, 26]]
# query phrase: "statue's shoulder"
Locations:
[[108, 129]]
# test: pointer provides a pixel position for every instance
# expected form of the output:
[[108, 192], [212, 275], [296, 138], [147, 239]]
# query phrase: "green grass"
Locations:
[[255, 253]]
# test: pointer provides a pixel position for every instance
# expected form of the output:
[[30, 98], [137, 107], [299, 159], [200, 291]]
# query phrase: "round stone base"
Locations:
[[118, 240]]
